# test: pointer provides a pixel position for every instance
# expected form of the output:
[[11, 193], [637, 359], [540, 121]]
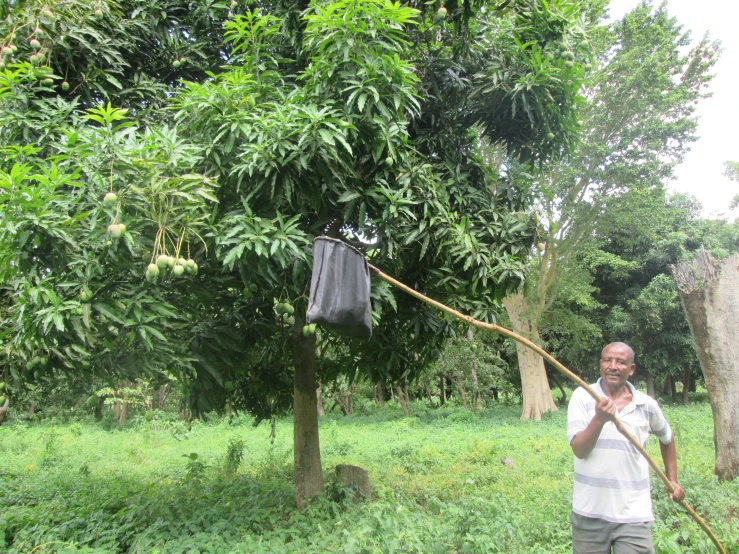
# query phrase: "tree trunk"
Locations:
[[319, 399], [708, 294], [342, 399], [461, 390], [673, 390], [117, 409], [650, 385], [429, 397], [125, 408], [667, 386], [405, 393], [4, 409], [99, 410], [563, 398], [306, 446], [537, 398], [686, 385], [351, 399], [401, 399], [476, 401], [159, 400], [380, 395], [32, 408], [442, 391]]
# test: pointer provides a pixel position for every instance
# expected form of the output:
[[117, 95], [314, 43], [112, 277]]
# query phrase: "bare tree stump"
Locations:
[[356, 478]]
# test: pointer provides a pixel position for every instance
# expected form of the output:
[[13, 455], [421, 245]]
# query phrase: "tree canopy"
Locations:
[[165, 169]]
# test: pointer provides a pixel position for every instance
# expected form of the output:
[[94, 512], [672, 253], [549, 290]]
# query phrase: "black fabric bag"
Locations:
[[340, 289]]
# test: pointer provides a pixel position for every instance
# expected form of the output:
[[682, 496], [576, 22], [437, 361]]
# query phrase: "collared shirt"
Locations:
[[612, 481]]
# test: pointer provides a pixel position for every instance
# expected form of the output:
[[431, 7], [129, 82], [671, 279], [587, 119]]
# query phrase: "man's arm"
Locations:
[[669, 457], [583, 443]]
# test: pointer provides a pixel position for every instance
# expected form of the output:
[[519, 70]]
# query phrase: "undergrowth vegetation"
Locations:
[[443, 480]]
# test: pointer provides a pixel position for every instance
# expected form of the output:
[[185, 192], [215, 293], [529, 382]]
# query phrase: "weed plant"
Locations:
[[443, 480]]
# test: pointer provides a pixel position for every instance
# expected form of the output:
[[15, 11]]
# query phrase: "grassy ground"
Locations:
[[438, 485]]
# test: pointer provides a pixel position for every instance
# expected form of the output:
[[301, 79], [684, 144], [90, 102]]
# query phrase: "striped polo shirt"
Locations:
[[612, 482]]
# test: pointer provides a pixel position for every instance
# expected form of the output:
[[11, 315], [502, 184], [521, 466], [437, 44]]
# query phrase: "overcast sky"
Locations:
[[701, 174]]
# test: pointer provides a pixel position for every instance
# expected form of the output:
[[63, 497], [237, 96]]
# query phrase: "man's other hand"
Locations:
[[605, 410], [679, 493]]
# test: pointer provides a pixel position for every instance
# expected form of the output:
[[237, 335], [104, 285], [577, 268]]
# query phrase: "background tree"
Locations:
[[648, 232], [637, 124]]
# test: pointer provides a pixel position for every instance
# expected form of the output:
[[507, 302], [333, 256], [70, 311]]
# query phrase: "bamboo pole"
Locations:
[[548, 357]]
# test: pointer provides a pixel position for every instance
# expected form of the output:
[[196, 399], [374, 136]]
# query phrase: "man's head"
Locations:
[[617, 364]]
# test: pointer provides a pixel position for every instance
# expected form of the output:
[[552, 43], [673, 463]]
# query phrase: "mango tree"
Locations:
[[174, 240]]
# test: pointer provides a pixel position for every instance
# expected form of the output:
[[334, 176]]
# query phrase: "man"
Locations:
[[612, 505]]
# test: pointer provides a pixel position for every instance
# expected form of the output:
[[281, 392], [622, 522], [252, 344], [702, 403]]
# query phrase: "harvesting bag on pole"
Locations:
[[340, 289]]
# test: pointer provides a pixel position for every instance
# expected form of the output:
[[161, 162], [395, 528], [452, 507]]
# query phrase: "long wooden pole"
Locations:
[[548, 357]]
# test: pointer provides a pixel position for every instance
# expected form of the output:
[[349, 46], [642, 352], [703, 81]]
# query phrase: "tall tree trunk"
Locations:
[[341, 400], [563, 398], [650, 385], [429, 397], [351, 399], [673, 390], [306, 446], [159, 400], [667, 386], [461, 390], [442, 391], [4, 409], [401, 399], [708, 292], [686, 385], [32, 408], [125, 408], [537, 397], [319, 400], [476, 401], [380, 395], [405, 393]]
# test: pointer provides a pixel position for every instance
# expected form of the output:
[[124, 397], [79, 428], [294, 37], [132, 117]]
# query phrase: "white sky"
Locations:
[[701, 174]]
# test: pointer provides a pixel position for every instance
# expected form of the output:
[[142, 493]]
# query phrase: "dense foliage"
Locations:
[[223, 139]]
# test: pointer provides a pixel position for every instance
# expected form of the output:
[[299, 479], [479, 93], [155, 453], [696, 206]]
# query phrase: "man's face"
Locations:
[[616, 366]]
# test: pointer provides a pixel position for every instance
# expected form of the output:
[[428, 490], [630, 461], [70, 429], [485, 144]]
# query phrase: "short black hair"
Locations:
[[632, 356]]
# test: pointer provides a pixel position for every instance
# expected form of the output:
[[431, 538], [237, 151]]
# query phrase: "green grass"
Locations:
[[437, 478]]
